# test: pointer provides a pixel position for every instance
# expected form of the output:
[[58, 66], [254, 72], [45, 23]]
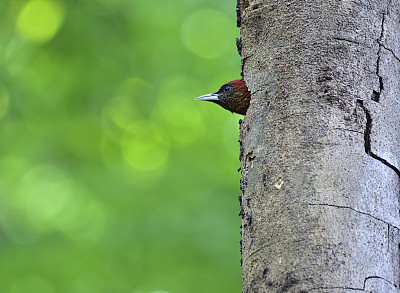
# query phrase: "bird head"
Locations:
[[232, 96]]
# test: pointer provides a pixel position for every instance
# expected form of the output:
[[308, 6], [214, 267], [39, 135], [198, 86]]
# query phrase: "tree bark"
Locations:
[[320, 146]]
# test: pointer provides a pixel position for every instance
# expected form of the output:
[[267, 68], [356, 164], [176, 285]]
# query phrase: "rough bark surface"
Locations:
[[320, 146]]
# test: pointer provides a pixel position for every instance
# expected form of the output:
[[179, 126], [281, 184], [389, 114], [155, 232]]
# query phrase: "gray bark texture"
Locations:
[[320, 146]]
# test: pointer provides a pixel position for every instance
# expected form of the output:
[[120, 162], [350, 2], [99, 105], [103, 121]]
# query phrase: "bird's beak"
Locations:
[[209, 97]]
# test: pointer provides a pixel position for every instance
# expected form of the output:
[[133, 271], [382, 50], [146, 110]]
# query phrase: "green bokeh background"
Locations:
[[112, 178]]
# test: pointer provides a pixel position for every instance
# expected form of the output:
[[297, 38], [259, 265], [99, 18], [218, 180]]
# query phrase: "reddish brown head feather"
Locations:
[[239, 98], [233, 96], [238, 83]]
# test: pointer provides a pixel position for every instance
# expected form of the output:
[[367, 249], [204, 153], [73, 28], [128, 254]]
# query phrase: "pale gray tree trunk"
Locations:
[[320, 146]]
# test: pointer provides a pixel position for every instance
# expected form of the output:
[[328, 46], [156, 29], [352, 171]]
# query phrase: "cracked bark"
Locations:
[[376, 94], [367, 139], [320, 146]]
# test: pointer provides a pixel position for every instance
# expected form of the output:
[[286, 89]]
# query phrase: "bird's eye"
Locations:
[[227, 88]]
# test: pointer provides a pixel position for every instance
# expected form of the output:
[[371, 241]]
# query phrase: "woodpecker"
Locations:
[[232, 96]]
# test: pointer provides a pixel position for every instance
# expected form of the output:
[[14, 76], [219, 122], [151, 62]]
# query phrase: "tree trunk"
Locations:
[[320, 146]]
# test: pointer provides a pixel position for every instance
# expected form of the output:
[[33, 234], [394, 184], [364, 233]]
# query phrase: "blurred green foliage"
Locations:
[[112, 178]]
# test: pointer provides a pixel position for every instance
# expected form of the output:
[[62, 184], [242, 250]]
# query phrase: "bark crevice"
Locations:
[[330, 288], [355, 289], [376, 95], [391, 51], [354, 210], [367, 139], [346, 40], [378, 277]]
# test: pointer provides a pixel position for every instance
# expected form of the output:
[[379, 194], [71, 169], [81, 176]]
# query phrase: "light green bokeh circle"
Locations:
[[145, 146], [208, 33], [178, 112], [44, 191], [40, 20], [123, 109]]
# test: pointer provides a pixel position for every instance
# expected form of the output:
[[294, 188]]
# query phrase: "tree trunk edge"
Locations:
[[311, 221]]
